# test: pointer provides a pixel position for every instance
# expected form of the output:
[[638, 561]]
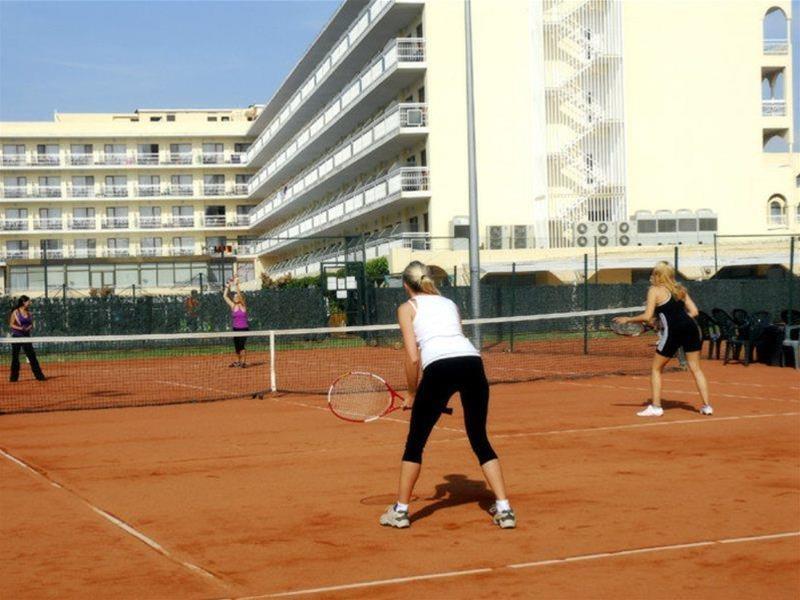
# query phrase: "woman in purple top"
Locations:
[[239, 321], [21, 324]]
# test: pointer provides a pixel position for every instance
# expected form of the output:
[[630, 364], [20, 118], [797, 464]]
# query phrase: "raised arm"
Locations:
[[405, 316], [648, 313], [691, 307], [225, 295]]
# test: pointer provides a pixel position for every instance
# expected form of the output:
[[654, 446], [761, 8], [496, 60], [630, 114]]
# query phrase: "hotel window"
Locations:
[[148, 154], [212, 153], [183, 246], [213, 185], [82, 186], [13, 154], [151, 246], [85, 248], [17, 248], [80, 154], [117, 217], [118, 246], [182, 216], [48, 151], [170, 118], [83, 218], [15, 187], [49, 218], [116, 185], [16, 219], [149, 216], [180, 154], [149, 185], [115, 154], [50, 187], [53, 248], [777, 210]]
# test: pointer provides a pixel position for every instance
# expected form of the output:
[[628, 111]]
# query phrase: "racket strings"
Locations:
[[359, 397]]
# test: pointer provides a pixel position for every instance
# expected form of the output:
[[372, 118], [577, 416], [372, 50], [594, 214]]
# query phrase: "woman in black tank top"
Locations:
[[669, 304]]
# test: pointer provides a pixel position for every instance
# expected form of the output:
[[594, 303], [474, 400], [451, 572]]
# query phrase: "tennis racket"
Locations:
[[361, 397], [629, 329]]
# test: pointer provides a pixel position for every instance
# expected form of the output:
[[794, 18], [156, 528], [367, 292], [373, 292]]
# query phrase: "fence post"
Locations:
[[273, 377], [791, 280], [596, 272], [716, 266], [513, 302], [585, 303], [133, 291], [455, 275], [675, 261], [200, 276], [43, 249]]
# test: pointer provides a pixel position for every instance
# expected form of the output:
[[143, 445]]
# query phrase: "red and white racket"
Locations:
[[361, 397]]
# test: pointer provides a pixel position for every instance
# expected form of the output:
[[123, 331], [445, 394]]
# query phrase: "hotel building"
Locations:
[[637, 123]]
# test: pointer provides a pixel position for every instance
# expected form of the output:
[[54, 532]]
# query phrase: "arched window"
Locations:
[[776, 210], [775, 29], [775, 141]]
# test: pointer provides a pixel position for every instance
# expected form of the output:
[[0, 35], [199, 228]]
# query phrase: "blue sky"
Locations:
[[115, 56]]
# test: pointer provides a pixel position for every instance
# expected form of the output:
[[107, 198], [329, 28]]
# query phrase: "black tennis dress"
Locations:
[[678, 329]]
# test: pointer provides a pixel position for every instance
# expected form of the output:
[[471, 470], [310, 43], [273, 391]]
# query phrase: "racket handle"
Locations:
[[447, 410]]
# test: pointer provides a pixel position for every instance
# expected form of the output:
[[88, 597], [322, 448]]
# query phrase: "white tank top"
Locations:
[[437, 328]]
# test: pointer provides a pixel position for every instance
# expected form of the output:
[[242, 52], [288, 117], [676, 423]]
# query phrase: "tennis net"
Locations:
[[85, 372]]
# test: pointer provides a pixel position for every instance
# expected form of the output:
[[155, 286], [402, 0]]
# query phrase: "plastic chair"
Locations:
[[795, 316], [791, 341], [740, 316], [729, 331], [746, 339], [709, 332]]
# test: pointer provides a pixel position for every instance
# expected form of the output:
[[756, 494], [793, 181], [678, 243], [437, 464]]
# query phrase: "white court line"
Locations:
[[733, 383], [526, 565], [673, 391], [116, 521]]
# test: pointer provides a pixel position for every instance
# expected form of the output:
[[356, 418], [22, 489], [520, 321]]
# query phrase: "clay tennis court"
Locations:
[[257, 498]]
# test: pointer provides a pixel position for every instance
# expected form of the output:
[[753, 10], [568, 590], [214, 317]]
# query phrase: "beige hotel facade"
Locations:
[[641, 124]]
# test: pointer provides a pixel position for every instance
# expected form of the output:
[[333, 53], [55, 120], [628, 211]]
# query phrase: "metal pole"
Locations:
[[474, 254], [455, 275], [43, 248], [596, 271], [513, 302], [133, 291], [364, 299], [201, 282], [585, 303], [675, 261], [791, 280], [716, 266], [222, 266]]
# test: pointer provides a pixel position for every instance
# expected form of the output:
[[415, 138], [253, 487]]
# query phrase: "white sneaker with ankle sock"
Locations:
[[706, 410], [651, 411]]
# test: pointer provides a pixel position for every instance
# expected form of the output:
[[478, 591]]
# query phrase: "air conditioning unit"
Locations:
[[498, 237], [606, 234], [687, 227], [645, 228], [459, 232], [625, 233], [707, 226], [520, 237], [584, 234], [667, 228]]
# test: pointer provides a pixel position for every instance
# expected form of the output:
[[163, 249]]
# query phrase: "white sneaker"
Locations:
[[505, 519], [395, 518], [706, 410], [651, 411]]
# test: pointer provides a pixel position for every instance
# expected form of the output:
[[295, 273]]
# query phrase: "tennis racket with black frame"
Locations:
[[361, 397], [629, 329]]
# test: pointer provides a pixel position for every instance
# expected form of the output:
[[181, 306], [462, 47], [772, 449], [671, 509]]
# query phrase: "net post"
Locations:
[[273, 378], [585, 303]]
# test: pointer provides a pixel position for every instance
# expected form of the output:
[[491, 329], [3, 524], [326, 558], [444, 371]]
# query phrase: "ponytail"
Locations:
[[418, 277]]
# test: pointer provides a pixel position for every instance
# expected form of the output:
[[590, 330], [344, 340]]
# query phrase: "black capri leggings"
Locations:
[[440, 380], [239, 343]]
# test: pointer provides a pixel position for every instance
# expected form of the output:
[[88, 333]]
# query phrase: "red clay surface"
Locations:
[[277, 495]]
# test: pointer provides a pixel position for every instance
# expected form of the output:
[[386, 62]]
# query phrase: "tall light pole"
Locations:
[[474, 238]]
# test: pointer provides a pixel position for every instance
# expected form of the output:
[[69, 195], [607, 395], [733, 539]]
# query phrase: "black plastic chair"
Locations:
[[795, 316], [740, 316], [747, 337], [791, 340], [728, 330], [710, 332]]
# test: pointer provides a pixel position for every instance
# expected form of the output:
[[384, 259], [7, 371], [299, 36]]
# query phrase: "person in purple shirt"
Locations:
[[239, 321], [21, 324]]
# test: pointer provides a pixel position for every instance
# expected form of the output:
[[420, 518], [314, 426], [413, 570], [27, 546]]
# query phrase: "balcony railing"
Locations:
[[178, 158], [777, 220], [14, 160], [773, 108], [363, 199], [356, 145], [181, 251], [151, 251], [45, 160], [212, 158], [149, 190], [117, 252], [214, 220], [83, 253], [179, 189], [116, 222], [20, 254], [179, 222], [16, 191], [399, 50], [48, 191], [53, 224], [214, 189], [81, 191], [149, 222], [776, 46], [115, 191], [83, 223], [114, 159], [80, 159], [15, 225], [237, 158], [52, 253], [241, 221], [147, 158], [240, 189]]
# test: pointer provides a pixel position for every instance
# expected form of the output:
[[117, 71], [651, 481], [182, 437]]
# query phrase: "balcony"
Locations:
[[151, 251], [179, 189], [237, 158], [399, 188], [774, 47], [148, 190], [213, 189], [241, 221], [379, 140], [149, 222], [240, 189], [212, 158], [47, 191], [181, 251], [52, 253], [81, 191], [54, 224], [82, 223], [15, 225], [178, 158], [113, 159], [179, 222], [115, 191], [21, 254], [79, 160], [400, 63], [83, 253], [118, 252], [773, 108], [14, 160], [147, 158], [214, 220], [317, 76], [116, 222], [45, 160], [16, 191]]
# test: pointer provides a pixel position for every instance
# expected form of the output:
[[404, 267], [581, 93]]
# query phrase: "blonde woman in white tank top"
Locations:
[[436, 348]]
